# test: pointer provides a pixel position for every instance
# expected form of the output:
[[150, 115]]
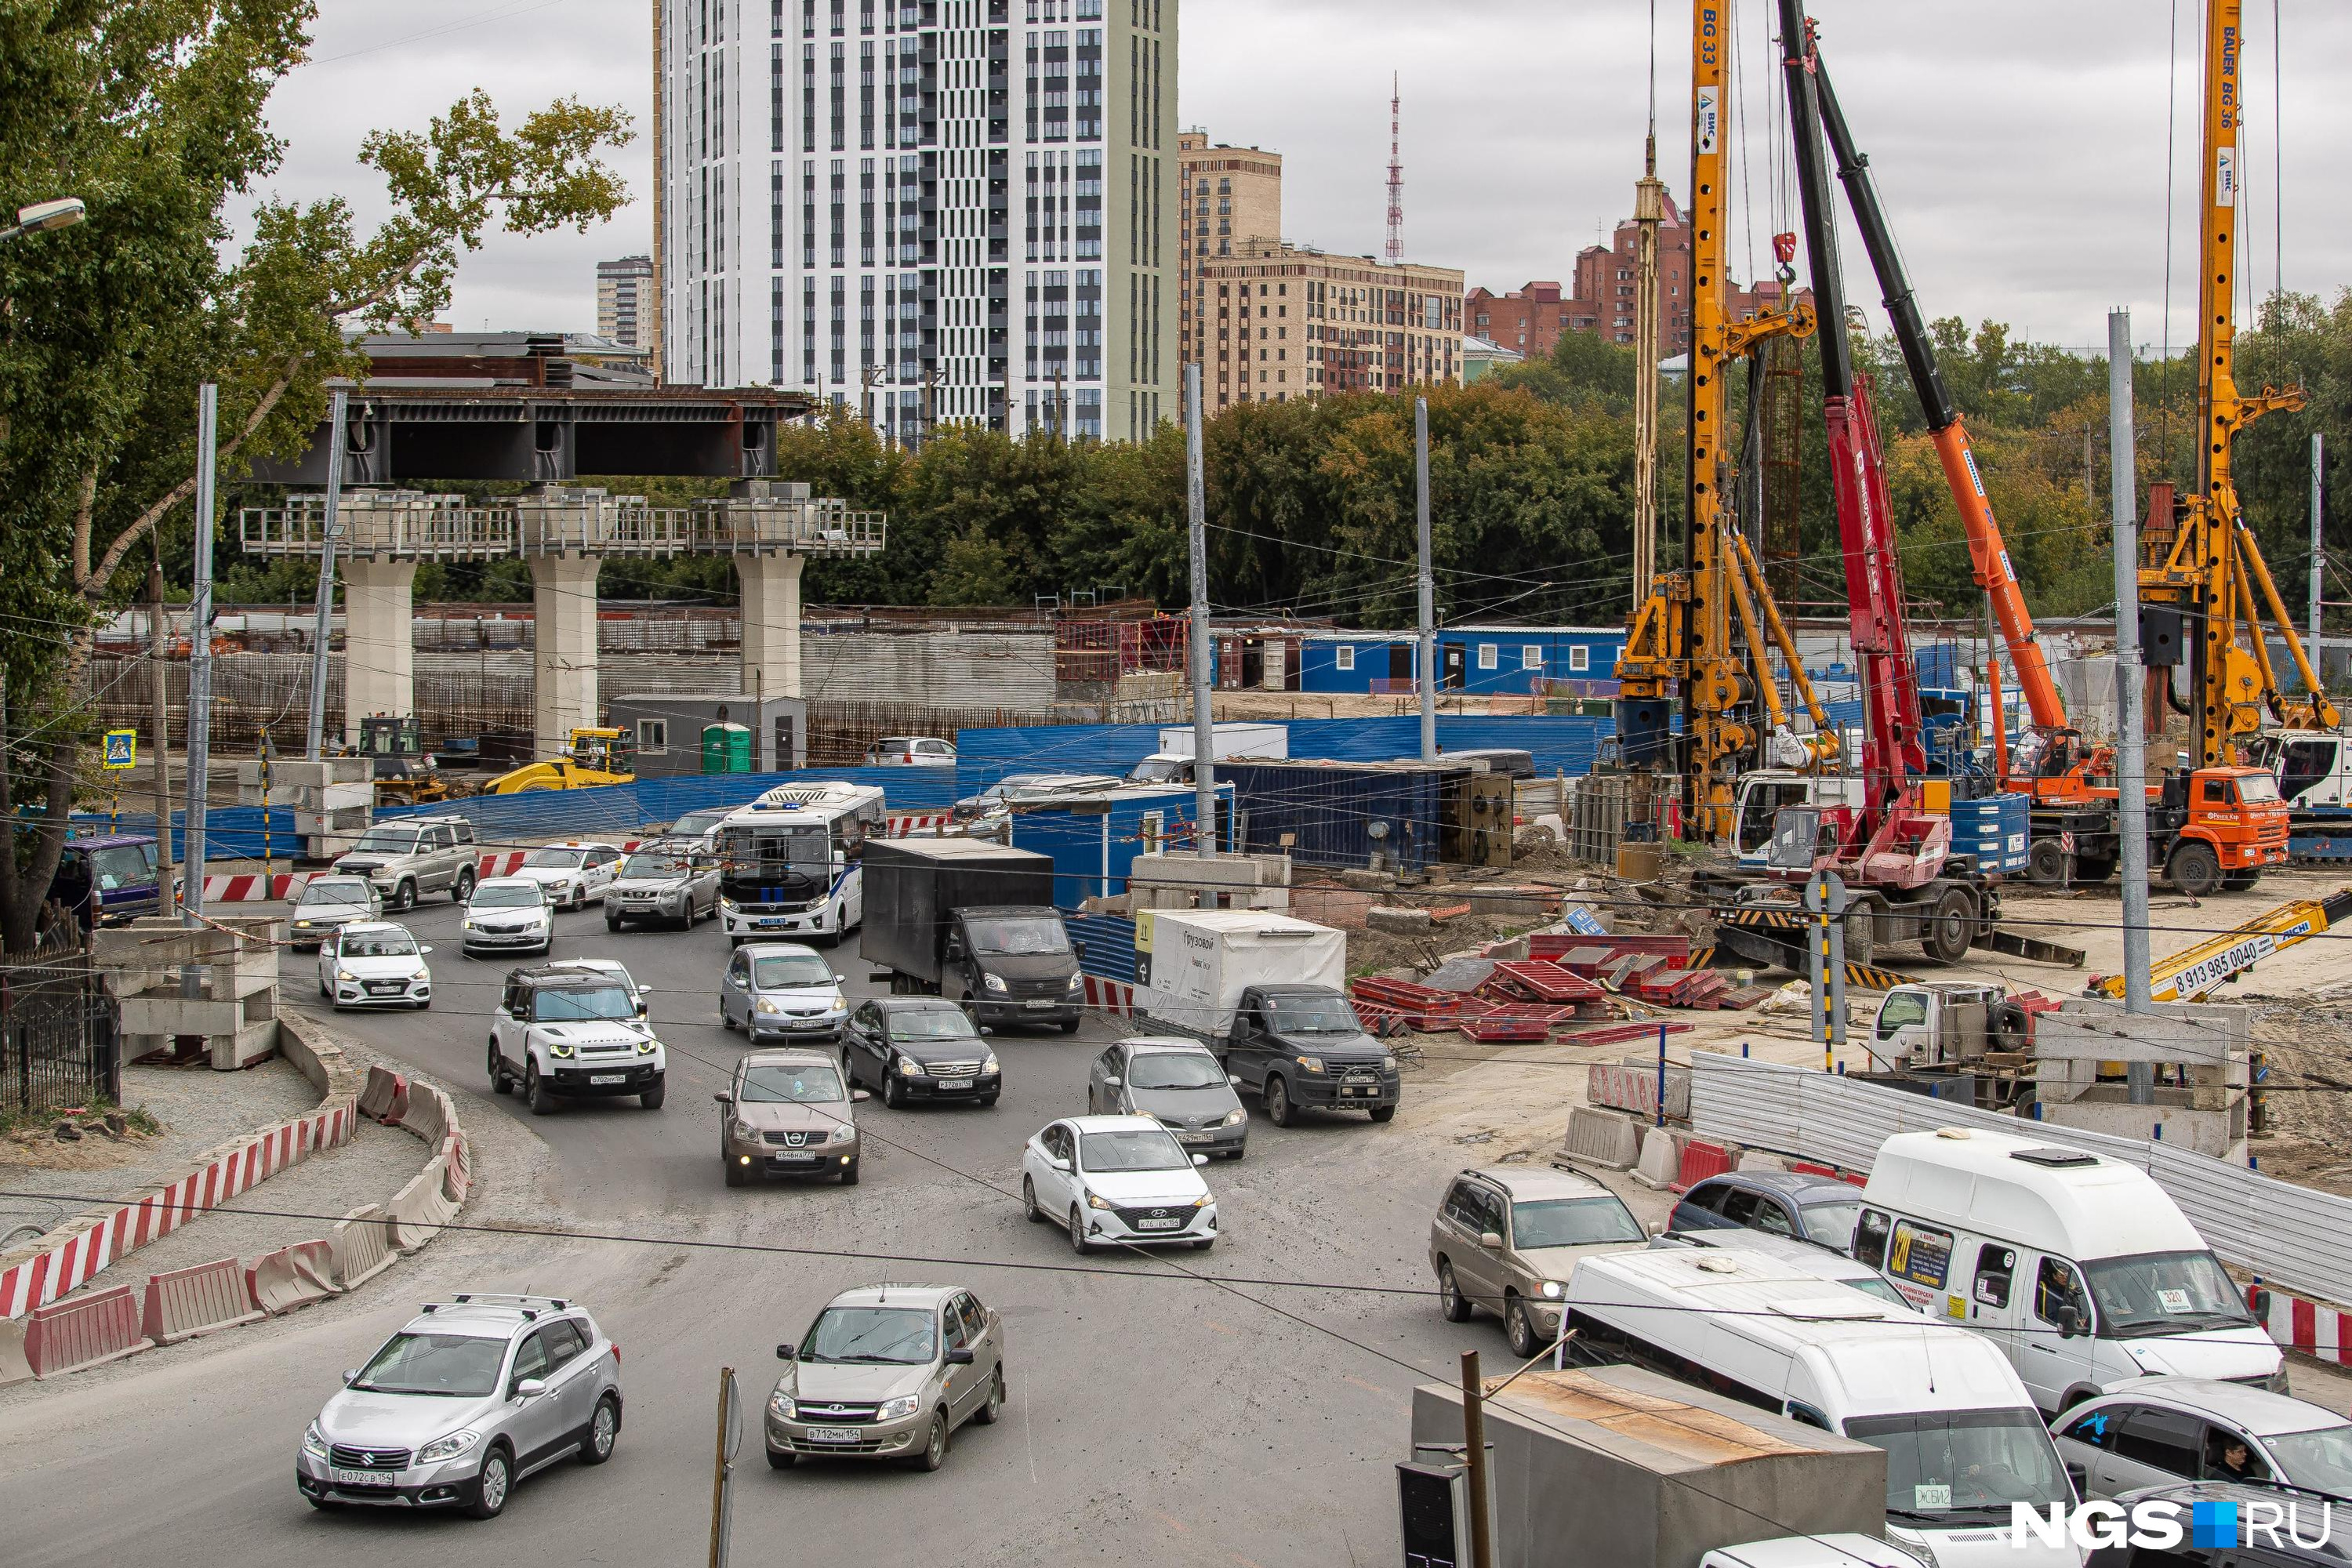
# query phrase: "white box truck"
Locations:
[[1173, 763], [1264, 991]]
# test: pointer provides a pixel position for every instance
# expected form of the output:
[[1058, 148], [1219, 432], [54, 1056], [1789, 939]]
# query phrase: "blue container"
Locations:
[[1993, 831], [1335, 815], [1094, 843]]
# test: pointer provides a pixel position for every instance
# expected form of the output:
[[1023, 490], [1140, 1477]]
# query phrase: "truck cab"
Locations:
[[2227, 823], [1013, 965], [1942, 1022], [1303, 1046], [1764, 791]]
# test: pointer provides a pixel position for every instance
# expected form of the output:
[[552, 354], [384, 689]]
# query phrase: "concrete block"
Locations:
[[1366, 881], [13, 1365], [360, 1247], [1602, 1138], [292, 1276], [1392, 918], [1757, 1160], [255, 1042], [1661, 1162]]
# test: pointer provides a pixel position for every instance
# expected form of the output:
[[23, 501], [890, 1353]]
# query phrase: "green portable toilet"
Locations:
[[726, 749]]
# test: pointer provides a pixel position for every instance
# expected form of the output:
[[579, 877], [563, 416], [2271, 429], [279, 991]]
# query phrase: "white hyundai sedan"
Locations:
[[1116, 1180], [374, 964], [572, 874]]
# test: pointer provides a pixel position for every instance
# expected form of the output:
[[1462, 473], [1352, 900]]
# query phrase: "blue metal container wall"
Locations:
[[1565, 744], [1094, 852], [1330, 814], [1110, 945]]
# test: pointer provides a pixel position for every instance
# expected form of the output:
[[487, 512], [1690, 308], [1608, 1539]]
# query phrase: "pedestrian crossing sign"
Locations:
[[121, 749]]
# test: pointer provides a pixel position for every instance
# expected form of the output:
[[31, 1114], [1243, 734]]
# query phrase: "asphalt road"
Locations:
[[1154, 1416]]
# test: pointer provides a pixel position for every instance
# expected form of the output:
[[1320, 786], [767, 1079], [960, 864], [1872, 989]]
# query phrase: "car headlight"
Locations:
[[780, 1406], [1096, 1201], [726, 903], [769, 1007], [345, 977], [469, 925], [1388, 1062], [561, 884], [989, 1066], [1235, 1117], [1553, 1289], [899, 1409], [559, 1049], [910, 1068], [449, 1448], [1312, 1064], [840, 1003], [314, 1442], [744, 1132], [648, 1045], [843, 1134], [994, 982], [302, 925], [1077, 982]]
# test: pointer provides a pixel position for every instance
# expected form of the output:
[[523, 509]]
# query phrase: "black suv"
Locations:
[[919, 1048], [1302, 1045]]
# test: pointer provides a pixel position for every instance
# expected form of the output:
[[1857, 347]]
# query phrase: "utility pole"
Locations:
[[199, 654], [1204, 654], [2131, 732], [315, 742], [1425, 664], [722, 1477], [159, 646], [2318, 559], [1474, 1457], [1649, 211]]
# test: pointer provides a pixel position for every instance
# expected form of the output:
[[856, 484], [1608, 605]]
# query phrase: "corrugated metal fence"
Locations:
[[1111, 945], [2293, 1237], [1558, 744]]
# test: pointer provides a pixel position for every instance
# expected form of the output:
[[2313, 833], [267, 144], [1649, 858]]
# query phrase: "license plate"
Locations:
[[1366, 1094], [832, 1433], [608, 1078], [808, 1023], [1041, 1005], [359, 1478], [771, 925], [1196, 1137], [792, 1159], [1159, 1225], [955, 1083]]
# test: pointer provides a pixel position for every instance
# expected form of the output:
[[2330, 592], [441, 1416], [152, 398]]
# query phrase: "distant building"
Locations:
[[1227, 196], [1281, 321], [1529, 320], [1480, 356], [624, 300]]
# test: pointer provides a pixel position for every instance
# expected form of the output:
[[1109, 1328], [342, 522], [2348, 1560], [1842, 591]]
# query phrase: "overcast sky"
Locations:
[[2021, 150]]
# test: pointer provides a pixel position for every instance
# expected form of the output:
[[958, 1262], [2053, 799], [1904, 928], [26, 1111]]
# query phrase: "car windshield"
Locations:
[[1174, 1070], [1022, 936], [1572, 1222], [655, 866], [694, 823], [386, 841], [1131, 1149], [334, 890], [813, 1084], [123, 865], [378, 944], [902, 1336], [1874, 1285], [1314, 1016], [1832, 1222], [506, 895], [931, 1024], [2320, 1461], [459, 1365], [553, 860], [2256, 788], [790, 971], [2164, 1293], [570, 1003], [1951, 1467]]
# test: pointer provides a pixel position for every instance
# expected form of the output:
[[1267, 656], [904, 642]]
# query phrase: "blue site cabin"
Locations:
[[1511, 660]]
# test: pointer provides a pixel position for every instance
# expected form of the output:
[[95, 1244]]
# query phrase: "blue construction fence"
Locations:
[[1559, 743]]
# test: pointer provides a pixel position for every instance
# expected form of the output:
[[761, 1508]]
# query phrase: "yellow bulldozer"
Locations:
[[405, 773], [596, 757]]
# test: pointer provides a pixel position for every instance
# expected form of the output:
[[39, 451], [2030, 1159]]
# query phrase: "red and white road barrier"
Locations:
[[253, 888], [2311, 1327], [904, 823], [1114, 996]]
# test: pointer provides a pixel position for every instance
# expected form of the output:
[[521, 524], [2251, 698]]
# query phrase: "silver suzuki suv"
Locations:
[[471, 1398]]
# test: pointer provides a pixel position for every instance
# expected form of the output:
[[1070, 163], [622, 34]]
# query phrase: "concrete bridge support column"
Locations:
[[771, 623], [563, 602], [379, 640]]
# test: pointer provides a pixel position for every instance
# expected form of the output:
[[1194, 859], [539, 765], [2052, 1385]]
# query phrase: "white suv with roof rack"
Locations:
[[469, 1397]]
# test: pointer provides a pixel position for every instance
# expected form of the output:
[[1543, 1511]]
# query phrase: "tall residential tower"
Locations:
[[934, 210]]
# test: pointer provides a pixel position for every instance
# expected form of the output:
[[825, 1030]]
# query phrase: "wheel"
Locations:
[[652, 1098], [1029, 1202], [849, 1174], [2194, 868], [1205, 1243], [1278, 1108], [739, 1174], [1861, 932], [536, 1091], [726, 1018], [500, 1082], [993, 1405], [1380, 1113], [424, 1005], [323, 986], [779, 1461], [935, 1449], [986, 1101], [2239, 882], [2046, 862], [1517, 1327], [604, 1431], [1450, 1301], [892, 1095], [463, 887], [1952, 926], [1078, 1242], [1070, 1026], [321, 1504], [485, 1495], [403, 898], [612, 922]]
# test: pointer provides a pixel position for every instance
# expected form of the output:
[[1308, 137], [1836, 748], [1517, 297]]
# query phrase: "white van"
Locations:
[[2079, 1267], [1962, 1439]]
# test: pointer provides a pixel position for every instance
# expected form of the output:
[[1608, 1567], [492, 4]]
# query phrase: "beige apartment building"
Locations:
[[1280, 321], [1228, 197]]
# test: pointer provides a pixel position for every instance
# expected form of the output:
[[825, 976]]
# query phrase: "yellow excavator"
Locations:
[[596, 757]]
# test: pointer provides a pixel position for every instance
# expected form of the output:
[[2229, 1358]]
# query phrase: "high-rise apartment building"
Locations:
[[1604, 283], [1279, 322], [934, 210], [1227, 196], [624, 300]]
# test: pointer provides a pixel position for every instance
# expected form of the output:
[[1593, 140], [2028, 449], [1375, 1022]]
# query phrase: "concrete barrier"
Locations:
[[1757, 1160], [185, 1302], [65, 1336], [429, 1115], [13, 1367], [1701, 1160], [292, 1277], [1661, 1157], [360, 1247], [384, 1097], [418, 1210], [1601, 1138]]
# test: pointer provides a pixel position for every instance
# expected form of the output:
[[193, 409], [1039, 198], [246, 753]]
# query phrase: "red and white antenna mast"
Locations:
[[1396, 179]]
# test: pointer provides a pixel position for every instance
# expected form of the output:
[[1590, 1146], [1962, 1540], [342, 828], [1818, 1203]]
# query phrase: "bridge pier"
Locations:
[[379, 642], [771, 623], [563, 605]]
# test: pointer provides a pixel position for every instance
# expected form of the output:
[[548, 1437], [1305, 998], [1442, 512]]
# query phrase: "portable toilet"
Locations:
[[726, 749]]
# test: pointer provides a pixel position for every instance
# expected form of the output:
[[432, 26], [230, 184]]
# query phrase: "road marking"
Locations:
[[1368, 1388], [1234, 1333], [1177, 1525]]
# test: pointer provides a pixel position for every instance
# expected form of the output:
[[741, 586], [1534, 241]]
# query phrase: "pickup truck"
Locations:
[[1302, 1045]]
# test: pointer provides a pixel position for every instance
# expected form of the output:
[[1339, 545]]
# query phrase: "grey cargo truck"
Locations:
[[974, 921]]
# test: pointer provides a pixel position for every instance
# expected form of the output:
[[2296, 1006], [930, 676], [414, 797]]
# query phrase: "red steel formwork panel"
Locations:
[[1552, 945]]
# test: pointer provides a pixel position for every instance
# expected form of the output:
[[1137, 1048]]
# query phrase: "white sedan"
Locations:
[[1114, 1180], [572, 874], [508, 914], [374, 964]]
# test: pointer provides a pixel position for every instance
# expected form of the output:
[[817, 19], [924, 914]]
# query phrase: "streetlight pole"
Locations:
[[43, 216]]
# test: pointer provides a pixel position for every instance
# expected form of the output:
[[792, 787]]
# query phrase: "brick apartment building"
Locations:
[[1280, 321], [1227, 196]]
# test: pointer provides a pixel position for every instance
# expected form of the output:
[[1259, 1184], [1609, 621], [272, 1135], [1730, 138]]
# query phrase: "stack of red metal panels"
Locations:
[[1552, 945], [1419, 1006], [1512, 1021], [1536, 980]]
